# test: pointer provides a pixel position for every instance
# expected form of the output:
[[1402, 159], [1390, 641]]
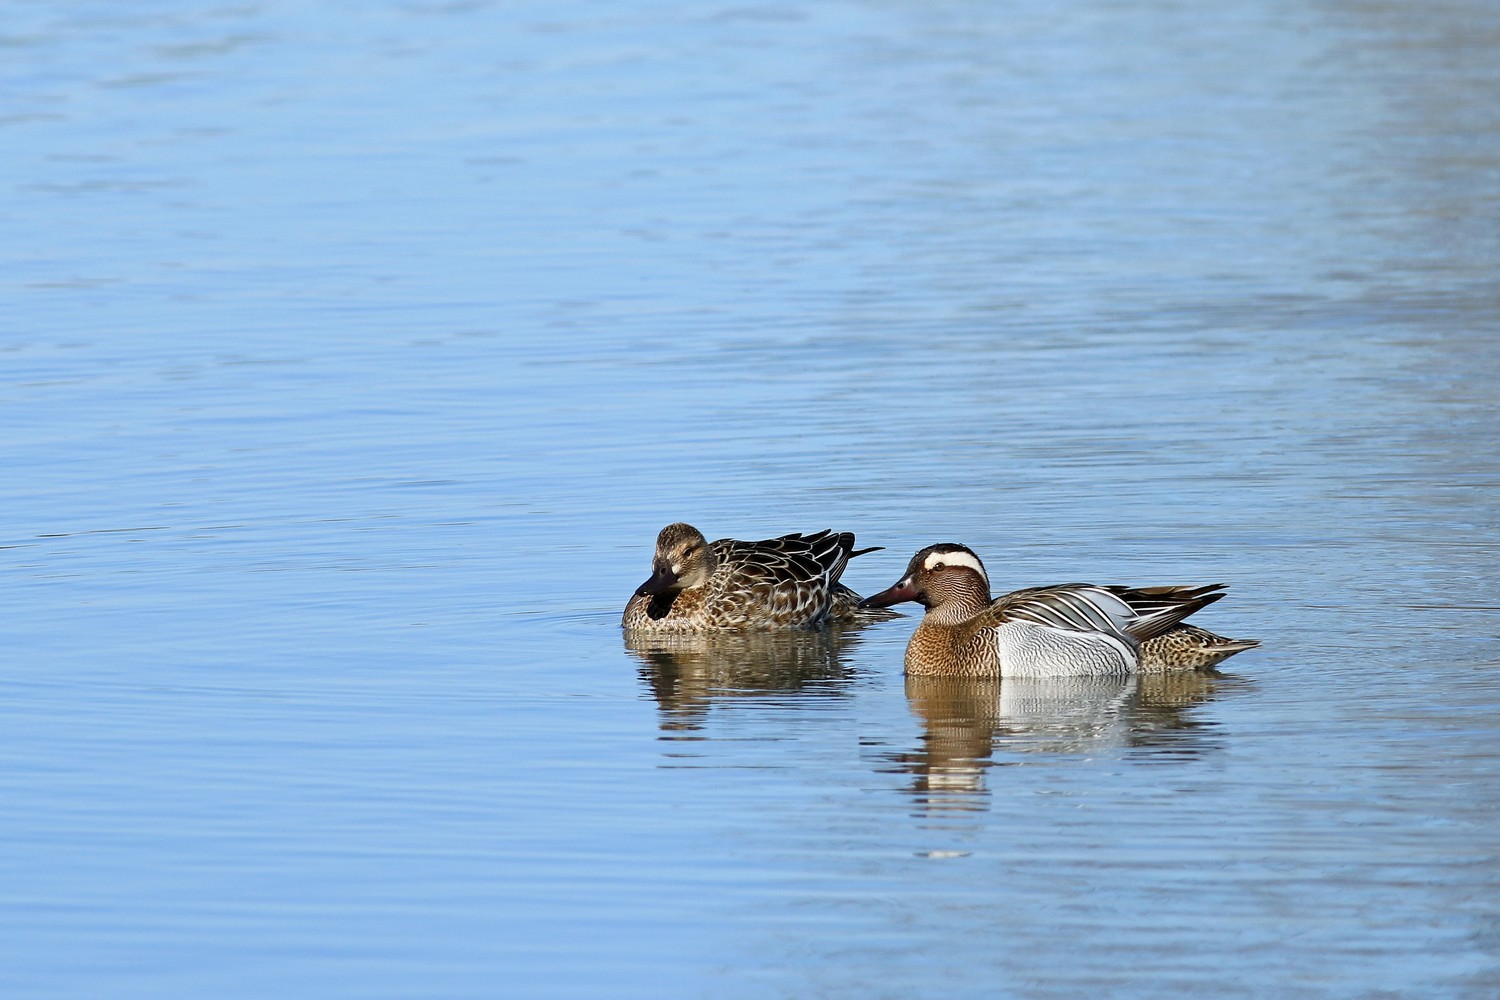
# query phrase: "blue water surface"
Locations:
[[352, 355]]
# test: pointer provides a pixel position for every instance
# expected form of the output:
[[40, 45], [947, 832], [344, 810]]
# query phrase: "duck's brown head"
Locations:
[[683, 560], [936, 574]]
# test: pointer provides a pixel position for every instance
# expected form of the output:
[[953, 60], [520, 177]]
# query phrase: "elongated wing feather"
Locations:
[[1159, 609], [796, 558], [1077, 607], [1132, 613]]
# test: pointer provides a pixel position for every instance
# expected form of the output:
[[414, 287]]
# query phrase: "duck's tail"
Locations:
[[1188, 647]]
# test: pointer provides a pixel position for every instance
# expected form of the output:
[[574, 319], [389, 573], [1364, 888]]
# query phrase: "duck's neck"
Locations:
[[959, 602]]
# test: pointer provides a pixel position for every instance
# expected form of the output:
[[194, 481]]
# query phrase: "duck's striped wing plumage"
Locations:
[[1081, 628], [1078, 607], [1140, 612], [1057, 631], [790, 578], [1158, 610]]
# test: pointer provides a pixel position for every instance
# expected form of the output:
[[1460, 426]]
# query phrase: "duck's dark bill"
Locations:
[[661, 581], [895, 595]]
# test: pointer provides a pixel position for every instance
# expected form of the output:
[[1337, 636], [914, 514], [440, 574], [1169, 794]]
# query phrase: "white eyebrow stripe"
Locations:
[[956, 559]]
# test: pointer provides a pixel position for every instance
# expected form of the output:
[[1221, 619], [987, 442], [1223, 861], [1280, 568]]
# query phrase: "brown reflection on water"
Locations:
[[966, 722], [687, 674], [959, 720]]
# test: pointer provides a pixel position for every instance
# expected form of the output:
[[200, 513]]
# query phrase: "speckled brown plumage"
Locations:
[[1188, 647], [1069, 629], [791, 581]]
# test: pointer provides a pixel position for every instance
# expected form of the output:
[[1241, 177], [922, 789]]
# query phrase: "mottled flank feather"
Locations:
[[789, 582], [1188, 647], [1069, 629]]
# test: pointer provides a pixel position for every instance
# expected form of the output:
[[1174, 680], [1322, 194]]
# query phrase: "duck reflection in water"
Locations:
[[688, 673], [966, 721]]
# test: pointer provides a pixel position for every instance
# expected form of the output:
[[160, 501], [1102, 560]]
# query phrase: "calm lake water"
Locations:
[[352, 355]]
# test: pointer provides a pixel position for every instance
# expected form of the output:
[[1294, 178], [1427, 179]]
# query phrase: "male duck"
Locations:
[[728, 585], [1072, 629]]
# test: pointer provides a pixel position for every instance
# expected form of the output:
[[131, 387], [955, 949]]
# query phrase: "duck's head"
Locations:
[[934, 575], [682, 561]]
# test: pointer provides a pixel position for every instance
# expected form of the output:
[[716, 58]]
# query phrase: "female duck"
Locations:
[[1072, 629], [728, 585]]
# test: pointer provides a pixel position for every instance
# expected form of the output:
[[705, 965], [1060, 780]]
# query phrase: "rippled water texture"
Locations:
[[352, 355]]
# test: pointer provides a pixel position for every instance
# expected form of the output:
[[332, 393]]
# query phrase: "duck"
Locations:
[[787, 582], [1071, 629]]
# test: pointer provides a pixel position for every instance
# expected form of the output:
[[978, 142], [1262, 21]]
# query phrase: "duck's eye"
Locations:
[[689, 551], [939, 565]]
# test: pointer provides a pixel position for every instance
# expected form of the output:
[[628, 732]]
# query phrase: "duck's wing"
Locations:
[[785, 581], [1074, 607], [1158, 610], [817, 559], [1139, 612], [1069, 629], [1077, 628]]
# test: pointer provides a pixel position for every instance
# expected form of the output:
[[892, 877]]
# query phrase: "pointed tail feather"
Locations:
[[1161, 619]]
